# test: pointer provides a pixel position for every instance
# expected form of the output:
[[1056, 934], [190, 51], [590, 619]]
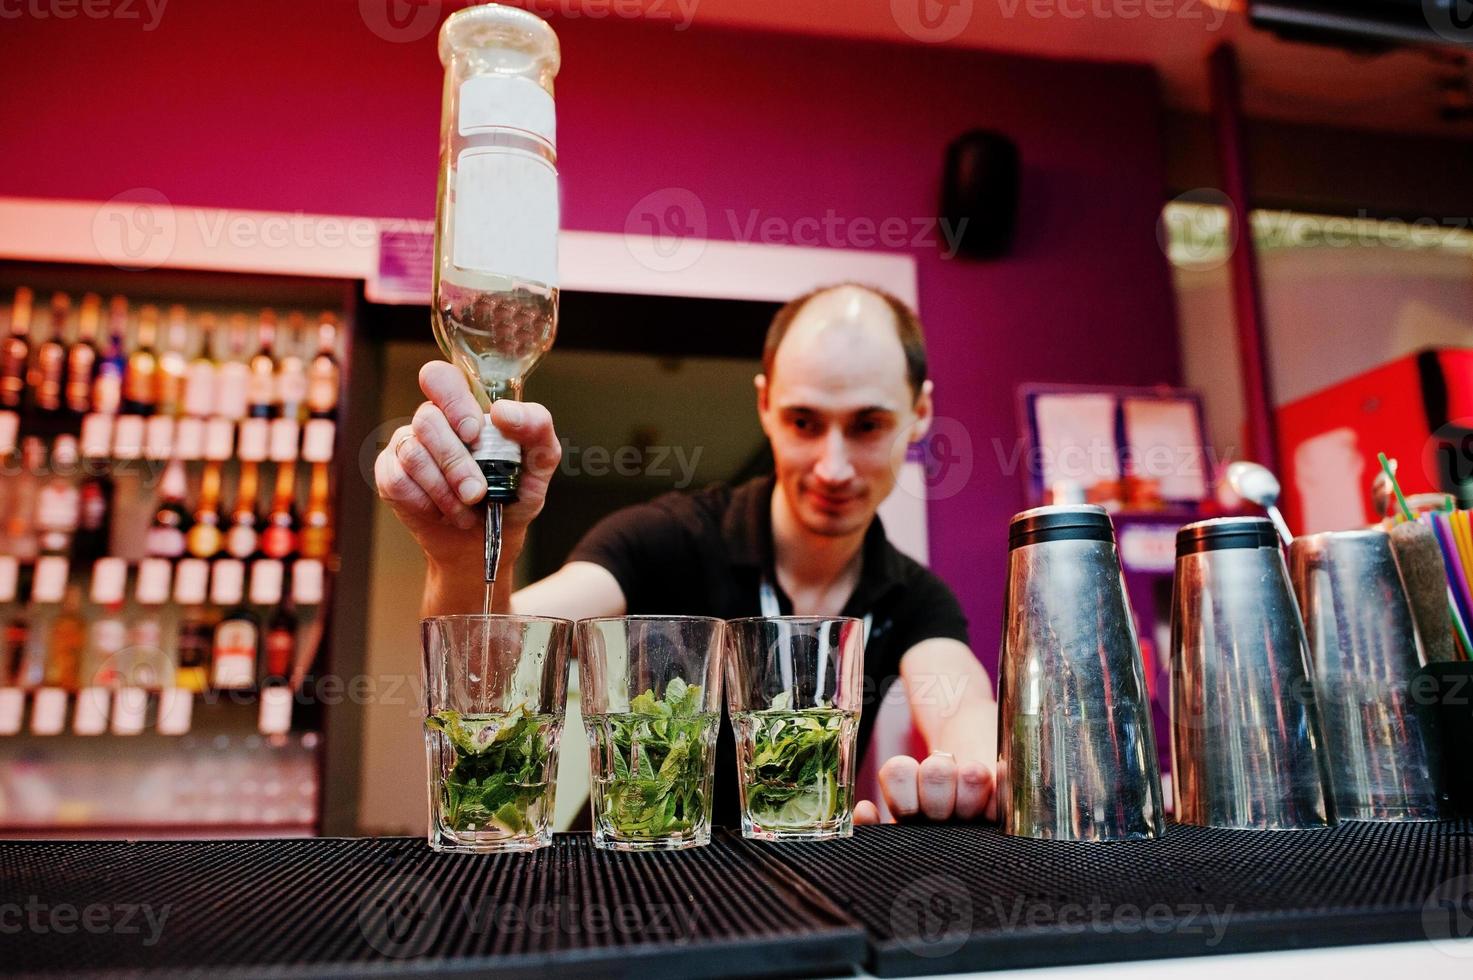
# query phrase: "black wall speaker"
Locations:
[[980, 188]]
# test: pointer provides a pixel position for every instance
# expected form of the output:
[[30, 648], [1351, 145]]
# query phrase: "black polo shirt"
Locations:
[[705, 554]]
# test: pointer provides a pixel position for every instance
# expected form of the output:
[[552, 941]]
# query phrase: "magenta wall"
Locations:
[[299, 106]]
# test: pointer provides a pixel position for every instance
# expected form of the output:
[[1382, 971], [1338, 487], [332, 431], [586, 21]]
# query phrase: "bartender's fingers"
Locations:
[[444, 384], [937, 782], [974, 788], [462, 474], [898, 783], [423, 469], [530, 425], [866, 812], [398, 488]]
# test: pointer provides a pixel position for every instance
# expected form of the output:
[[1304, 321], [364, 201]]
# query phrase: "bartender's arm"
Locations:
[[427, 476]]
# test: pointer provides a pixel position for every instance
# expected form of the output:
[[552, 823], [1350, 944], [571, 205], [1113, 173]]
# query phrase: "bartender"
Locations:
[[842, 395]]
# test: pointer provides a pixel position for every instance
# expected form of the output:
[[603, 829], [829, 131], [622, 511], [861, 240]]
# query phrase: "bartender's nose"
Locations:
[[833, 465]]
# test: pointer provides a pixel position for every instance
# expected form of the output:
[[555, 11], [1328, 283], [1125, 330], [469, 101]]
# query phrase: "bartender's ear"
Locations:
[[760, 382], [924, 410]]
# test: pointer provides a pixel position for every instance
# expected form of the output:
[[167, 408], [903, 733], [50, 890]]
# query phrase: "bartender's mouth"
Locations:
[[832, 502]]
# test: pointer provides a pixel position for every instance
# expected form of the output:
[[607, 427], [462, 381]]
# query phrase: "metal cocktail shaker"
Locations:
[[1077, 754], [1247, 749], [1381, 742]]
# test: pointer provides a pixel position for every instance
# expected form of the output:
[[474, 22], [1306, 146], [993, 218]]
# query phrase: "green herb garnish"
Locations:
[[499, 773], [791, 768], [651, 764]]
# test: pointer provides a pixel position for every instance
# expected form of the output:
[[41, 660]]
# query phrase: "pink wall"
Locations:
[[299, 106]]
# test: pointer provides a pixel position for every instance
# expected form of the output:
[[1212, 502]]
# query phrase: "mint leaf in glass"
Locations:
[[499, 770], [792, 772], [650, 765]]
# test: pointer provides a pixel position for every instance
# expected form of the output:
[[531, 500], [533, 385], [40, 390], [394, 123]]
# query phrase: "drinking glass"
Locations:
[[651, 709], [495, 694], [794, 685]]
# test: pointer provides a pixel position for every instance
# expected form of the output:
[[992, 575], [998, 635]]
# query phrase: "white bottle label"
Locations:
[[130, 709], [275, 717], [90, 718], [266, 578], [317, 440], [153, 581], [176, 711], [191, 582], [235, 654], [97, 436], [284, 438], [219, 438], [307, 575], [189, 438], [128, 437], [158, 441], [227, 584], [231, 385], [505, 217], [254, 438], [49, 584], [199, 389], [9, 429], [48, 711], [12, 710]]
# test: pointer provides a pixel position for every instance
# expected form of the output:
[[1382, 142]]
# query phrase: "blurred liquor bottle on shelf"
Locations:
[[316, 535], [233, 375], [140, 377], [291, 370], [47, 373], [17, 637], [81, 358], [279, 652], [107, 389], [323, 374], [59, 501], [109, 631], [16, 354], [261, 384], [197, 623], [205, 538], [21, 540], [68, 642], [279, 535], [173, 367], [166, 535], [199, 384], [242, 539], [238, 635], [94, 520]]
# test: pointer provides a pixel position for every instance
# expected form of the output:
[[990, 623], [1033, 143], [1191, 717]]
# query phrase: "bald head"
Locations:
[[833, 321]]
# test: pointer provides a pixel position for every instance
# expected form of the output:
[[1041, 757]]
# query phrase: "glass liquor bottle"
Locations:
[[261, 387], [279, 652], [243, 537], [323, 373], [59, 501], [25, 487], [237, 640], [232, 374], [81, 358], [16, 353], [291, 371], [68, 643], [199, 385], [48, 365], [173, 365], [205, 538], [279, 536], [166, 535], [107, 389], [140, 377], [94, 520], [316, 534]]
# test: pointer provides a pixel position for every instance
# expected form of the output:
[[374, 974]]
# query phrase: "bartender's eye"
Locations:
[[804, 424]]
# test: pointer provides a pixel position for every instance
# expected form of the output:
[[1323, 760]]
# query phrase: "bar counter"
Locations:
[[897, 900]]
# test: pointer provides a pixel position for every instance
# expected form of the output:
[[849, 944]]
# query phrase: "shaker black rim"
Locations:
[[1071, 523], [1222, 533]]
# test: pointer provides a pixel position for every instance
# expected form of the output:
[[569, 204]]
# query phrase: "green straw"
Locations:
[[1400, 497]]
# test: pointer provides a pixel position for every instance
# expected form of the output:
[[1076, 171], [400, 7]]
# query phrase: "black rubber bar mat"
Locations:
[[937, 899], [392, 907]]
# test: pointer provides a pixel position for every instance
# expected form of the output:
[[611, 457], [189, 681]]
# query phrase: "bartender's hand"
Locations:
[[939, 788], [427, 476]]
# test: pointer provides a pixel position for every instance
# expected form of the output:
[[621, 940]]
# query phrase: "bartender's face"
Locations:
[[839, 410]]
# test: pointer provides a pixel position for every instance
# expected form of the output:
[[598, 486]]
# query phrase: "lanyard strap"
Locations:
[[767, 599]]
